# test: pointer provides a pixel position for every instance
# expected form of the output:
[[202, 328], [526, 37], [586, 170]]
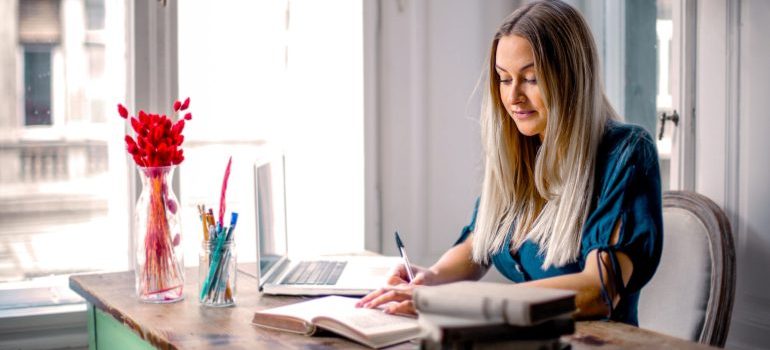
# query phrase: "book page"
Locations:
[[338, 314], [297, 317], [343, 310], [366, 321], [371, 327], [304, 310]]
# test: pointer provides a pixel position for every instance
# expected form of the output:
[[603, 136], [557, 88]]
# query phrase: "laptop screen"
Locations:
[[271, 212]]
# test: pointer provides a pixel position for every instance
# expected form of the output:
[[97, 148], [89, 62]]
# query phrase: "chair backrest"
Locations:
[[691, 295]]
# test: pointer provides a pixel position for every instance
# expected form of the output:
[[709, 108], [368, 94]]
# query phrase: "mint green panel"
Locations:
[[111, 334]]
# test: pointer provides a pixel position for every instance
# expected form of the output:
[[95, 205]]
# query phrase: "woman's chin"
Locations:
[[529, 126], [528, 131]]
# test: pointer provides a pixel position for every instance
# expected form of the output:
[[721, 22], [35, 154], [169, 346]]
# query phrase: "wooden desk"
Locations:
[[117, 318]]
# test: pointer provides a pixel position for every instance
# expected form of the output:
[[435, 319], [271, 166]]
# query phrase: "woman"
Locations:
[[571, 198]]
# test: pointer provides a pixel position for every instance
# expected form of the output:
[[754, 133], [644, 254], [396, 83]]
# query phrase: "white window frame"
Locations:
[[152, 82], [684, 14]]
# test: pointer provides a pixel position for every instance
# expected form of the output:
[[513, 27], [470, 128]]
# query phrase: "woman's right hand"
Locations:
[[399, 275], [398, 291]]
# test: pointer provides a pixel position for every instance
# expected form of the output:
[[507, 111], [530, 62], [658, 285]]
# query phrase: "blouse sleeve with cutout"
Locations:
[[630, 193]]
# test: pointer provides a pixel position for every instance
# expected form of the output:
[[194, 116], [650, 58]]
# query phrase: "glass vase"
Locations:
[[159, 268]]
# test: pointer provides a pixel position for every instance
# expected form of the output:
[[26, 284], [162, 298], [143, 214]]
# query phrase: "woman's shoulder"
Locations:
[[625, 147], [621, 140]]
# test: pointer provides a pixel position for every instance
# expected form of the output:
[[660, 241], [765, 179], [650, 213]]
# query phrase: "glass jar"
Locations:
[[159, 269], [217, 271]]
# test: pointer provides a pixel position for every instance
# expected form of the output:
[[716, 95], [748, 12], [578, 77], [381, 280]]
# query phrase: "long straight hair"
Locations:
[[542, 190]]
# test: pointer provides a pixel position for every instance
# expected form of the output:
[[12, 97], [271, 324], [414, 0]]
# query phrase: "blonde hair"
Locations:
[[543, 191]]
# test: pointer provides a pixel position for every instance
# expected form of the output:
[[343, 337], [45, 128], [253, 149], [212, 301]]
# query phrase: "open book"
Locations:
[[370, 327], [494, 302]]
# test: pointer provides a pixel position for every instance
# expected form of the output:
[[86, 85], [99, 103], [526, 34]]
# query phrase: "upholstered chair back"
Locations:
[[692, 292], [691, 295]]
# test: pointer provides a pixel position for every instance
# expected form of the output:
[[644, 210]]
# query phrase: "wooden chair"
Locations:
[[691, 295]]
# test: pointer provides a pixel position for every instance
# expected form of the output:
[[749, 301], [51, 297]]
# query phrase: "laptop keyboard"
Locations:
[[315, 272]]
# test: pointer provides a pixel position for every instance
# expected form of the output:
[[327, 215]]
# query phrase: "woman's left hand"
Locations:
[[398, 298]]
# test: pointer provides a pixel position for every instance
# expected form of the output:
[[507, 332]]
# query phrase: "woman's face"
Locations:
[[519, 90]]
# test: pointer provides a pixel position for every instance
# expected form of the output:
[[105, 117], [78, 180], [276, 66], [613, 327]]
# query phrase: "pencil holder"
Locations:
[[217, 271]]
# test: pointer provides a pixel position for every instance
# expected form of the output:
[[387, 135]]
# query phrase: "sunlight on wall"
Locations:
[[324, 160], [255, 81]]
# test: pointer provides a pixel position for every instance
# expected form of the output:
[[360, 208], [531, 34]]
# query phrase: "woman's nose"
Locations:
[[515, 96]]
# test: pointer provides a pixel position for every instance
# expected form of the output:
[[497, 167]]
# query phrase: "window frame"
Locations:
[[683, 151]]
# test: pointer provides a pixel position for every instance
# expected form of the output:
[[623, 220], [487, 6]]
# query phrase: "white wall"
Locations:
[[733, 163], [431, 55], [751, 323]]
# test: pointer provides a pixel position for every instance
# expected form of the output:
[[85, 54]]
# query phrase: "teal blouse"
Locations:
[[627, 188]]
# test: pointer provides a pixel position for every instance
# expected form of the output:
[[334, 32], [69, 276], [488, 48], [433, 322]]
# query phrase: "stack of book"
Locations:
[[481, 315]]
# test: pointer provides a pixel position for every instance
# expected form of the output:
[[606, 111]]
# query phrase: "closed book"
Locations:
[[370, 327], [495, 302], [449, 330], [539, 344]]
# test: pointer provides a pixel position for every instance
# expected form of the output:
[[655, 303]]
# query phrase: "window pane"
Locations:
[[95, 14], [235, 101], [63, 202], [37, 85]]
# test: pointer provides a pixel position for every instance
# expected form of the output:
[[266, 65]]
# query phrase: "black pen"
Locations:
[[402, 250]]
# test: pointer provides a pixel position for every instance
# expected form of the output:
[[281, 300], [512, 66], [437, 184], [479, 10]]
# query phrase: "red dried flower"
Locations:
[[186, 104], [157, 140], [122, 111]]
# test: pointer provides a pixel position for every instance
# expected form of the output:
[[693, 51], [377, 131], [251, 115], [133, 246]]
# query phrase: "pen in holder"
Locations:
[[217, 262], [217, 268]]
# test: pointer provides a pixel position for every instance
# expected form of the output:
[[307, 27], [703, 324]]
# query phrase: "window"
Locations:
[[287, 74], [60, 147], [62, 204], [37, 85], [639, 43]]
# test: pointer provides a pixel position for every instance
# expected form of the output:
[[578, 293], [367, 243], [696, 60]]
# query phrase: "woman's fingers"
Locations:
[[385, 298], [399, 273], [395, 280], [419, 278], [405, 307], [369, 297], [398, 294]]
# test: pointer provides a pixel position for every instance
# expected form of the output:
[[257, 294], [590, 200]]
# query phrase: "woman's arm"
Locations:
[[457, 264], [454, 265], [587, 283]]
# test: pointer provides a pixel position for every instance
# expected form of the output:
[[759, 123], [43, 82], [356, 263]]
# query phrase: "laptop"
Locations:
[[279, 275]]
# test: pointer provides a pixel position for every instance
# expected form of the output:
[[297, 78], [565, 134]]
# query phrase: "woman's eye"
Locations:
[[505, 81], [531, 81]]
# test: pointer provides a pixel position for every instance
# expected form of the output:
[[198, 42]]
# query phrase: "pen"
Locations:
[[402, 250]]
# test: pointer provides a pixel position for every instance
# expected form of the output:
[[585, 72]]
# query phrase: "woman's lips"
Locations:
[[523, 114]]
